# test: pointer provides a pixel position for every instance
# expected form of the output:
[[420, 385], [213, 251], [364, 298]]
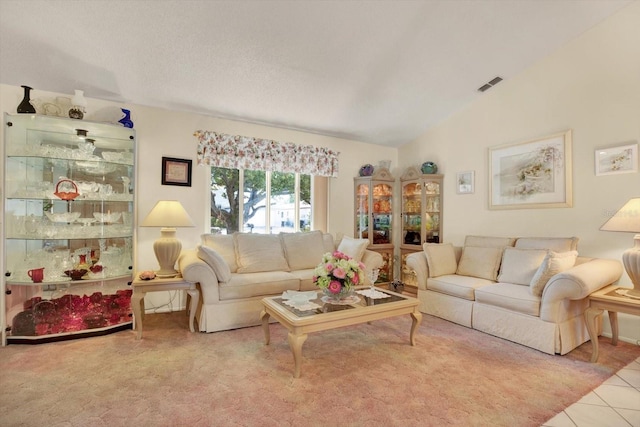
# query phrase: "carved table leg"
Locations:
[[416, 316], [613, 319], [590, 316], [295, 342], [264, 316], [137, 305], [194, 295]]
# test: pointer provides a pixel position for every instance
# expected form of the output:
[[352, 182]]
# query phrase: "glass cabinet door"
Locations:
[[412, 213], [382, 215]]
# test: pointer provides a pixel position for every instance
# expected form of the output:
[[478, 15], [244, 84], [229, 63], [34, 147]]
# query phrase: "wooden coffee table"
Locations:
[[329, 316]]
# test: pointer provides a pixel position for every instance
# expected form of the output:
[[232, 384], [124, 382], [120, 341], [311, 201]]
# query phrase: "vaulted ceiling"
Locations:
[[376, 71]]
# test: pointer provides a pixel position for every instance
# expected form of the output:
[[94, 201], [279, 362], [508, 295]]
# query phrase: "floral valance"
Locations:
[[243, 152]]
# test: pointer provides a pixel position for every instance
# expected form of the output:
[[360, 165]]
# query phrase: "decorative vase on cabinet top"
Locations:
[[78, 105], [25, 106], [429, 168]]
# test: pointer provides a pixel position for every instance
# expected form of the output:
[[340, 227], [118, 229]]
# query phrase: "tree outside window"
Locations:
[[268, 204]]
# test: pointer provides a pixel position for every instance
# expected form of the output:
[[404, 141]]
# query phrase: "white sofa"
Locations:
[[532, 291], [234, 272]]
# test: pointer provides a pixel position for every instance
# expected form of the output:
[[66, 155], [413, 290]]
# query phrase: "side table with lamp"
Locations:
[[167, 214], [616, 299]]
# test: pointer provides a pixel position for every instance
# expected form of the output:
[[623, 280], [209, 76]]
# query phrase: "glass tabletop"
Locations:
[[327, 307]]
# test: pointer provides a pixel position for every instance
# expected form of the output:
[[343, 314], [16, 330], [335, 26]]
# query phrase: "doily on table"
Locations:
[[376, 294], [305, 306], [353, 299]]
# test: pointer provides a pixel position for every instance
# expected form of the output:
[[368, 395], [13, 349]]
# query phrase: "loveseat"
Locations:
[[234, 272], [532, 291]]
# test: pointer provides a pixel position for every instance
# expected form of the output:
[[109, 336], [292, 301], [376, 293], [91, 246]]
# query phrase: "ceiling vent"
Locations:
[[490, 84]]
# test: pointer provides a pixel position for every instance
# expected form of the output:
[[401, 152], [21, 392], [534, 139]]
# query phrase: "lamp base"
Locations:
[[631, 261], [167, 248]]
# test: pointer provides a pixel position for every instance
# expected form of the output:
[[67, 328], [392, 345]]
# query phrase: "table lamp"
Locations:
[[627, 219], [167, 214]]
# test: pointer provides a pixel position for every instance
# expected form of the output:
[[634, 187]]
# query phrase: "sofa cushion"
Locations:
[[259, 252], [510, 297], [489, 241], [303, 250], [248, 285], [519, 265], [216, 262], [556, 244], [353, 247], [223, 244], [441, 258], [553, 263], [328, 243], [481, 262], [457, 286]]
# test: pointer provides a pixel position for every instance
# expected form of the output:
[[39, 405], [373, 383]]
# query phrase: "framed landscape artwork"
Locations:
[[531, 174], [465, 182], [617, 160]]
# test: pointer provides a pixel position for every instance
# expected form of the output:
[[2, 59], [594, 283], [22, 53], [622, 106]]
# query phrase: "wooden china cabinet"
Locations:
[[421, 216], [374, 216]]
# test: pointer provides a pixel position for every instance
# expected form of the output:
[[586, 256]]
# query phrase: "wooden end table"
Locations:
[[141, 287], [608, 299]]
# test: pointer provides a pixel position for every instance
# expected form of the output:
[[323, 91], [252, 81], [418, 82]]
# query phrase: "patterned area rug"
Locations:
[[366, 375]]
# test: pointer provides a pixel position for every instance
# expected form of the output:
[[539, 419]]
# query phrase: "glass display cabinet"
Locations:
[[68, 228], [374, 216], [421, 215]]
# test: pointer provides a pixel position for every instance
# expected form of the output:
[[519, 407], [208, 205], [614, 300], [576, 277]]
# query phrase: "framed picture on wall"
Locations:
[[176, 171], [531, 174], [465, 182], [617, 160]]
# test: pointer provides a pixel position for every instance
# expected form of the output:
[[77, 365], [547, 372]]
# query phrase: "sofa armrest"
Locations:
[[578, 283], [195, 270], [371, 260], [417, 261]]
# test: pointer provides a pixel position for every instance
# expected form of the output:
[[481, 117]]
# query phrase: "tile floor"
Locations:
[[614, 403]]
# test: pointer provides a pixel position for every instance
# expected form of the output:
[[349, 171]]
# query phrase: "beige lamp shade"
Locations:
[[627, 219], [167, 214]]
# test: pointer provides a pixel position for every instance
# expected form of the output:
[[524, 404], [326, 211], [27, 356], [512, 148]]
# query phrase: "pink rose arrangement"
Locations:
[[337, 274]]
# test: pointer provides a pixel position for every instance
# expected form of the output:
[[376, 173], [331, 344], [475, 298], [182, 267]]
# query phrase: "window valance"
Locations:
[[243, 152]]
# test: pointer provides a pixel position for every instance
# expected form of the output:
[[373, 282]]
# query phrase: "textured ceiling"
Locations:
[[375, 71]]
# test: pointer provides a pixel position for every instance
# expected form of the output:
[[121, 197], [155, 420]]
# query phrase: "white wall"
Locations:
[[592, 86]]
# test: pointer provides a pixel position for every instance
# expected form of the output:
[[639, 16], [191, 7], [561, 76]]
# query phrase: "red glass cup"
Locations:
[[37, 274]]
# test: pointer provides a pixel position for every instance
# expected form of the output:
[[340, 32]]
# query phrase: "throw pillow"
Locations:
[[328, 244], [259, 252], [216, 262], [519, 265], [303, 250], [480, 262], [441, 259], [553, 264], [223, 244], [353, 247]]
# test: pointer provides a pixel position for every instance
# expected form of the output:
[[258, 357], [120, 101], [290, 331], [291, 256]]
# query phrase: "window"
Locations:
[[271, 202]]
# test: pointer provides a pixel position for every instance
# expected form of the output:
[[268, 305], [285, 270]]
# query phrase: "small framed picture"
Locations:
[[617, 160], [176, 171], [465, 182]]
